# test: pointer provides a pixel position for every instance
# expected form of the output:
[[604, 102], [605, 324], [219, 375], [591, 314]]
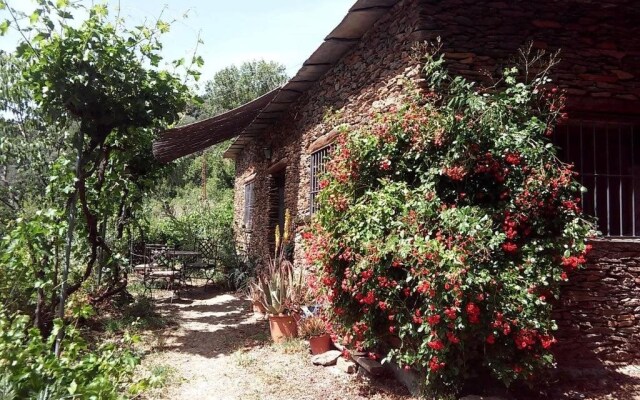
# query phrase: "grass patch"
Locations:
[[292, 346], [245, 360], [161, 374], [138, 315]]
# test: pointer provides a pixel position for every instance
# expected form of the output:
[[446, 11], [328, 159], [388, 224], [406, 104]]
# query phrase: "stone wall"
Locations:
[[371, 75], [599, 43], [600, 63], [599, 310]]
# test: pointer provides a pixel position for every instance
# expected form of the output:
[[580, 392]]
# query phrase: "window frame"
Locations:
[[585, 132], [249, 205], [317, 167]]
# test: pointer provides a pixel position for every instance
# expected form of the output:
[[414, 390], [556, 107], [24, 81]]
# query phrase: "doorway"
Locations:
[[276, 206]]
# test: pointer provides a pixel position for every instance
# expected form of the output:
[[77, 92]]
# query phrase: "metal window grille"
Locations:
[[604, 155], [318, 168], [249, 200]]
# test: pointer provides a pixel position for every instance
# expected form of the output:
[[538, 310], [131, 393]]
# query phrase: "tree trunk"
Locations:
[[71, 221]]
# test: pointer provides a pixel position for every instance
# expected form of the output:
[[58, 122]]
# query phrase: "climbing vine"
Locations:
[[446, 225]]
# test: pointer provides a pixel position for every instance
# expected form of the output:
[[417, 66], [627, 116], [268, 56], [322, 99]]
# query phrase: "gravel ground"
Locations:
[[218, 349]]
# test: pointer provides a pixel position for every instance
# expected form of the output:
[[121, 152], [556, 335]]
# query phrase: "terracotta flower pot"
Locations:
[[320, 344], [296, 316], [282, 327]]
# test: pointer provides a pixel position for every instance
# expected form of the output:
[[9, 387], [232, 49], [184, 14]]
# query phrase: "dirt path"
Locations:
[[219, 350]]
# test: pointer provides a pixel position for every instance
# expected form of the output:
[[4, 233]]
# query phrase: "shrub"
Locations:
[[30, 370], [446, 225]]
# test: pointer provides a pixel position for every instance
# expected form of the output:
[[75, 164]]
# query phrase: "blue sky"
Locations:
[[287, 31]]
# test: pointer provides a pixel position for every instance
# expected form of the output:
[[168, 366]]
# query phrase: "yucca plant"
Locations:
[[272, 291], [280, 288]]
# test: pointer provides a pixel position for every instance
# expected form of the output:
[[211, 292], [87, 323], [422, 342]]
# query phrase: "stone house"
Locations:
[[280, 139]]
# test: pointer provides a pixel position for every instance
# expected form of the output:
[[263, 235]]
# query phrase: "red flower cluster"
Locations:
[[573, 262], [423, 287], [455, 173], [525, 338], [453, 339], [435, 364], [433, 319], [572, 205], [451, 312], [512, 158], [473, 312], [513, 225], [369, 299], [487, 164], [547, 341], [417, 317], [436, 344], [509, 247]]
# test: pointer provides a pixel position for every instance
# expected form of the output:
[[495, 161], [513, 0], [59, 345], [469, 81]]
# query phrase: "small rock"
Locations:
[[346, 366], [326, 359], [474, 397]]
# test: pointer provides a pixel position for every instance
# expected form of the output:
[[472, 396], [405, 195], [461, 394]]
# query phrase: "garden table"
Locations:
[[205, 262]]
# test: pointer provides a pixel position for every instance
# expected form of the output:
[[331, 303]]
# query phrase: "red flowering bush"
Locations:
[[445, 227]]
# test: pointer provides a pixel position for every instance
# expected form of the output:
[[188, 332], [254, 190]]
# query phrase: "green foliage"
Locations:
[[27, 250], [28, 147], [30, 369], [446, 226], [96, 74], [179, 212], [81, 105], [234, 86], [139, 315], [195, 199], [240, 270]]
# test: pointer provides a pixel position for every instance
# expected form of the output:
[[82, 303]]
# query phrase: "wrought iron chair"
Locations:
[[205, 264], [158, 266]]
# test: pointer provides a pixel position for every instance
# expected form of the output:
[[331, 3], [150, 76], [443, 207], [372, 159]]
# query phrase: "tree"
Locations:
[[28, 145], [99, 86], [234, 86]]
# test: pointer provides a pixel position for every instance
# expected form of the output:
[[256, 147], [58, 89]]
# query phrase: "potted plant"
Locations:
[[256, 299], [314, 330], [280, 288]]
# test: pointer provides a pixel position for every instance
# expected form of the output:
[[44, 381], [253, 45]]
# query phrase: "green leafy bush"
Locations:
[[446, 225], [30, 369]]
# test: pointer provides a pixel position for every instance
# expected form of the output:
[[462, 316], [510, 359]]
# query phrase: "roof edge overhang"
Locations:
[[358, 21], [187, 139]]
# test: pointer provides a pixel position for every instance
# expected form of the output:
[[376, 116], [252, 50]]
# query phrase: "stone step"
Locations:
[[373, 367]]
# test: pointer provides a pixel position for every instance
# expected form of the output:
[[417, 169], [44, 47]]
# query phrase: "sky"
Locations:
[[233, 31]]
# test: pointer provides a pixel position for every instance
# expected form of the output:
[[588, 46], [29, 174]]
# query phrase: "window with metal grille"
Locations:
[[249, 200], [318, 168], [604, 154]]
